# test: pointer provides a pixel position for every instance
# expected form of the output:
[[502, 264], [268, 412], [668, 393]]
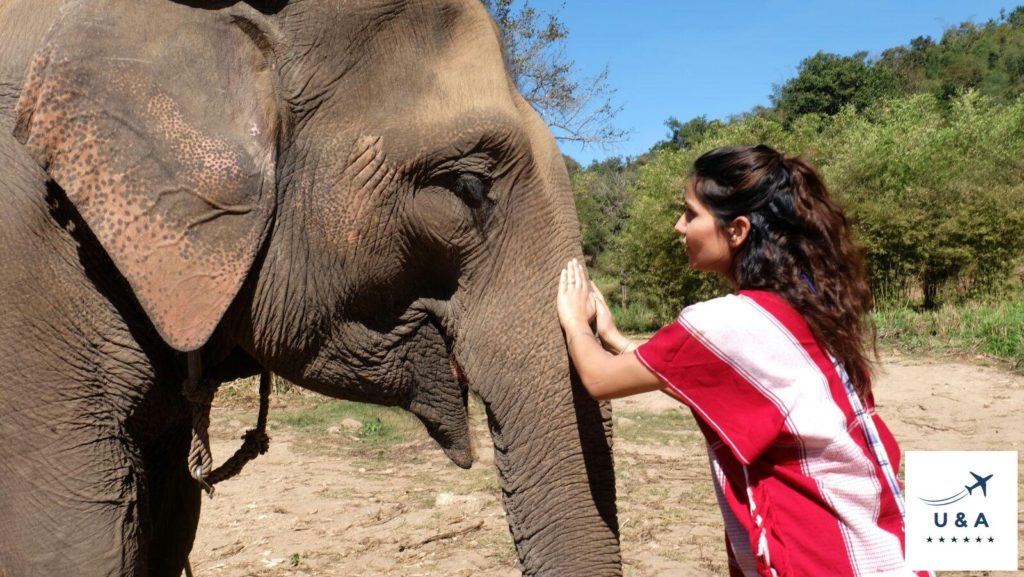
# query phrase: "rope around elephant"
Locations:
[[255, 442]]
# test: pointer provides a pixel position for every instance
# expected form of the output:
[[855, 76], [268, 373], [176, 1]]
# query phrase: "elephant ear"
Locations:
[[159, 122]]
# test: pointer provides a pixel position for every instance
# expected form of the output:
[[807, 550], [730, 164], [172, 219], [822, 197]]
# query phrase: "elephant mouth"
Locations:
[[457, 372], [439, 389]]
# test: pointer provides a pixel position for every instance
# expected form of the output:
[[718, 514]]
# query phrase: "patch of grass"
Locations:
[[657, 427], [635, 318], [423, 499], [380, 425], [995, 329]]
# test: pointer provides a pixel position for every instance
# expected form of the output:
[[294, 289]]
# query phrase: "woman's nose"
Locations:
[[681, 225]]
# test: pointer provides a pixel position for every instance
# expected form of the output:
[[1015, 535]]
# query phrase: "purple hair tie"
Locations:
[[810, 283]]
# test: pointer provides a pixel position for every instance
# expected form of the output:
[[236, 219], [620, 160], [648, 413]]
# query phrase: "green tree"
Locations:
[[933, 190], [932, 179], [682, 135], [602, 195], [1016, 18], [988, 58], [825, 83]]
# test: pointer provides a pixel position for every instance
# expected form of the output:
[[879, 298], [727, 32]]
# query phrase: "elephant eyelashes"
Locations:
[[473, 189]]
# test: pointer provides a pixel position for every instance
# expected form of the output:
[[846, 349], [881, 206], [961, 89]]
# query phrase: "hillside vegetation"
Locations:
[[923, 145]]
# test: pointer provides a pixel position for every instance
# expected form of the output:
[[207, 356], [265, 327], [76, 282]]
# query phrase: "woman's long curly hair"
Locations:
[[799, 246]]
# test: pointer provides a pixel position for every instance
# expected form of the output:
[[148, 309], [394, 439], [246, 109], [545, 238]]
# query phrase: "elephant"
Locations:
[[351, 194]]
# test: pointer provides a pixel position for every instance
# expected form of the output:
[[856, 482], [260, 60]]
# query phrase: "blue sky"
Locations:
[[717, 58]]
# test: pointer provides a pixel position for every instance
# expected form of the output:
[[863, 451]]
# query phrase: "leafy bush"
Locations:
[[923, 146], [934, 190]]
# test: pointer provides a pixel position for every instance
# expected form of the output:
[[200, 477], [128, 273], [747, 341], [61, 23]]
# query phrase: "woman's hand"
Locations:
[[611, 338], [605, 320], [604, 376], [575, 306]]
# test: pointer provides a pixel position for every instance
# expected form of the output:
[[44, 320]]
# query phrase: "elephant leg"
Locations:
[[174, 502], [69, 499]]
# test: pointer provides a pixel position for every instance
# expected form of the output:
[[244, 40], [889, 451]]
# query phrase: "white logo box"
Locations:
[[961, 512]]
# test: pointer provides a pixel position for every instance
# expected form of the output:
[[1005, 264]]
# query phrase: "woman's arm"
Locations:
[[608, 376], [605, 376]]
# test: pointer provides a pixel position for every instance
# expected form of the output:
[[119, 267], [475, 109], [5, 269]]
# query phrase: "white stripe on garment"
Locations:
[[751, 341], [739, 540], [867, 424]]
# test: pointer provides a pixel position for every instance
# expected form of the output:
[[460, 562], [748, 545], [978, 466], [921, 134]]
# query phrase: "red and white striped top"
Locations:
[[800, 490]]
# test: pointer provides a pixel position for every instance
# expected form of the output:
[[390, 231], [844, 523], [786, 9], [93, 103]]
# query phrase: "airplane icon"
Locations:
[[981, 483]]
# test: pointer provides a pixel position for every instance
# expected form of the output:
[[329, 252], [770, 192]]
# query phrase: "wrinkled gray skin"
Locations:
[[348, 193]]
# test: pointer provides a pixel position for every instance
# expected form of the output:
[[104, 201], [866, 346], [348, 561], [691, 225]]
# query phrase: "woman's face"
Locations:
[[707, 243]]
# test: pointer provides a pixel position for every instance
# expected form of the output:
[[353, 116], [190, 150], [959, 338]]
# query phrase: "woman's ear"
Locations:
[[738, 230]]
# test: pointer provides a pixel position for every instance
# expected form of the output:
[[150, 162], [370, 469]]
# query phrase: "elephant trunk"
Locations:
[[552, 450], [552, 441]]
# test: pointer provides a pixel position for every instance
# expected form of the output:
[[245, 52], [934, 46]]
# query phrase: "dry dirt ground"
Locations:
[[346, 498]]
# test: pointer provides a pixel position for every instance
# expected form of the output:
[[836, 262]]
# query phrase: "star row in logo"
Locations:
[[990, 539]]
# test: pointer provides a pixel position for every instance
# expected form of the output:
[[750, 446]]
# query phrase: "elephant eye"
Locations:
[[472, 189]]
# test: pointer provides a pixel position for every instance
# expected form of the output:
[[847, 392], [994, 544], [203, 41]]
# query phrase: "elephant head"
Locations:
[[353, 194]]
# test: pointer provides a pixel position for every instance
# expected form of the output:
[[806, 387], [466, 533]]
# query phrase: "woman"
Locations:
[[777, 374]]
